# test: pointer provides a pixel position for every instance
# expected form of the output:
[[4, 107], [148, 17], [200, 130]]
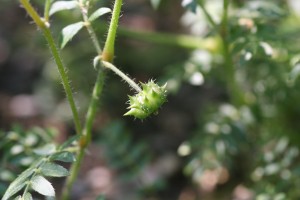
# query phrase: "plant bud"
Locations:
[[148, 101]]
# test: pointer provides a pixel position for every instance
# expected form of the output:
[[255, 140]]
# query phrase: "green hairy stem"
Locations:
[[60, 66], [109, 48]]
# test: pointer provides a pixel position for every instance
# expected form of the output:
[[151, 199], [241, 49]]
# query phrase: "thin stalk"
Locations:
[[86, 135], [234, 90], [177, 40], [207, 15], [92, 109], [91, 31], [182, 41], [109, 47], [225, 16], [65, 80], [47, 9], [122, 75], [93, 37]]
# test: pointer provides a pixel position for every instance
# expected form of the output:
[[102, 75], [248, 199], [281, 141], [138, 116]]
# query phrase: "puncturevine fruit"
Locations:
[[147, 101]]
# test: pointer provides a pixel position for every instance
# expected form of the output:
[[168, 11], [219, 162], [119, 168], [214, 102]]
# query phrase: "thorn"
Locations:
[[131, 98]]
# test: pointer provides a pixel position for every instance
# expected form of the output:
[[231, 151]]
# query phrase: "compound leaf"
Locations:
[[17, 184]]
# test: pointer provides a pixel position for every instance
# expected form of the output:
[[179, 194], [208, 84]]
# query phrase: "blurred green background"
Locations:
[[202, 144]]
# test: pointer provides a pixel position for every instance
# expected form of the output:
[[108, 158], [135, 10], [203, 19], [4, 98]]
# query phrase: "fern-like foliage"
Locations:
[[222, 142], [217, 145], [42, 165], [221, 137], [122, 153], [16, 151], [277, 170]]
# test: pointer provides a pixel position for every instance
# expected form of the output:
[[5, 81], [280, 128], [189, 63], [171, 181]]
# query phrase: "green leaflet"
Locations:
[[69, 32], [19, 183], [63, 156], [62, 5], [53, 170], [46, 150], [98, 13], [42, 186]]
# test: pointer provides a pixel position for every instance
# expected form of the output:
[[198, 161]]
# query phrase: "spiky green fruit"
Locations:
[[147, 101]]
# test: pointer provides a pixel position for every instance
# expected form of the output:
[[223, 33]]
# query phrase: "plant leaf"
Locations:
[[46, 150], [64, 157], [54, 170], [69, 32], [27, 196], [13, 190], [17, 184], [62, 5], [42, 186], [98, 13], [155, 3]]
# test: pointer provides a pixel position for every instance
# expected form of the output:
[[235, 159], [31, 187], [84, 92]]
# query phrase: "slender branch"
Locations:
[[92, 109], [224, 22], [47, 9], [235, 92], [86, 135], [33, 14], [91, 31], [109, 47], [207, 15], [183, 41], [234, 89], [177, 40], [122, 75], [65, 80], [93, 105], [94, 38]]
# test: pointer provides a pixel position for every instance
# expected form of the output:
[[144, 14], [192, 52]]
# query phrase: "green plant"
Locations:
[[33, 177], [43, 166], [228, 132], [17, 151], [233, 110]]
